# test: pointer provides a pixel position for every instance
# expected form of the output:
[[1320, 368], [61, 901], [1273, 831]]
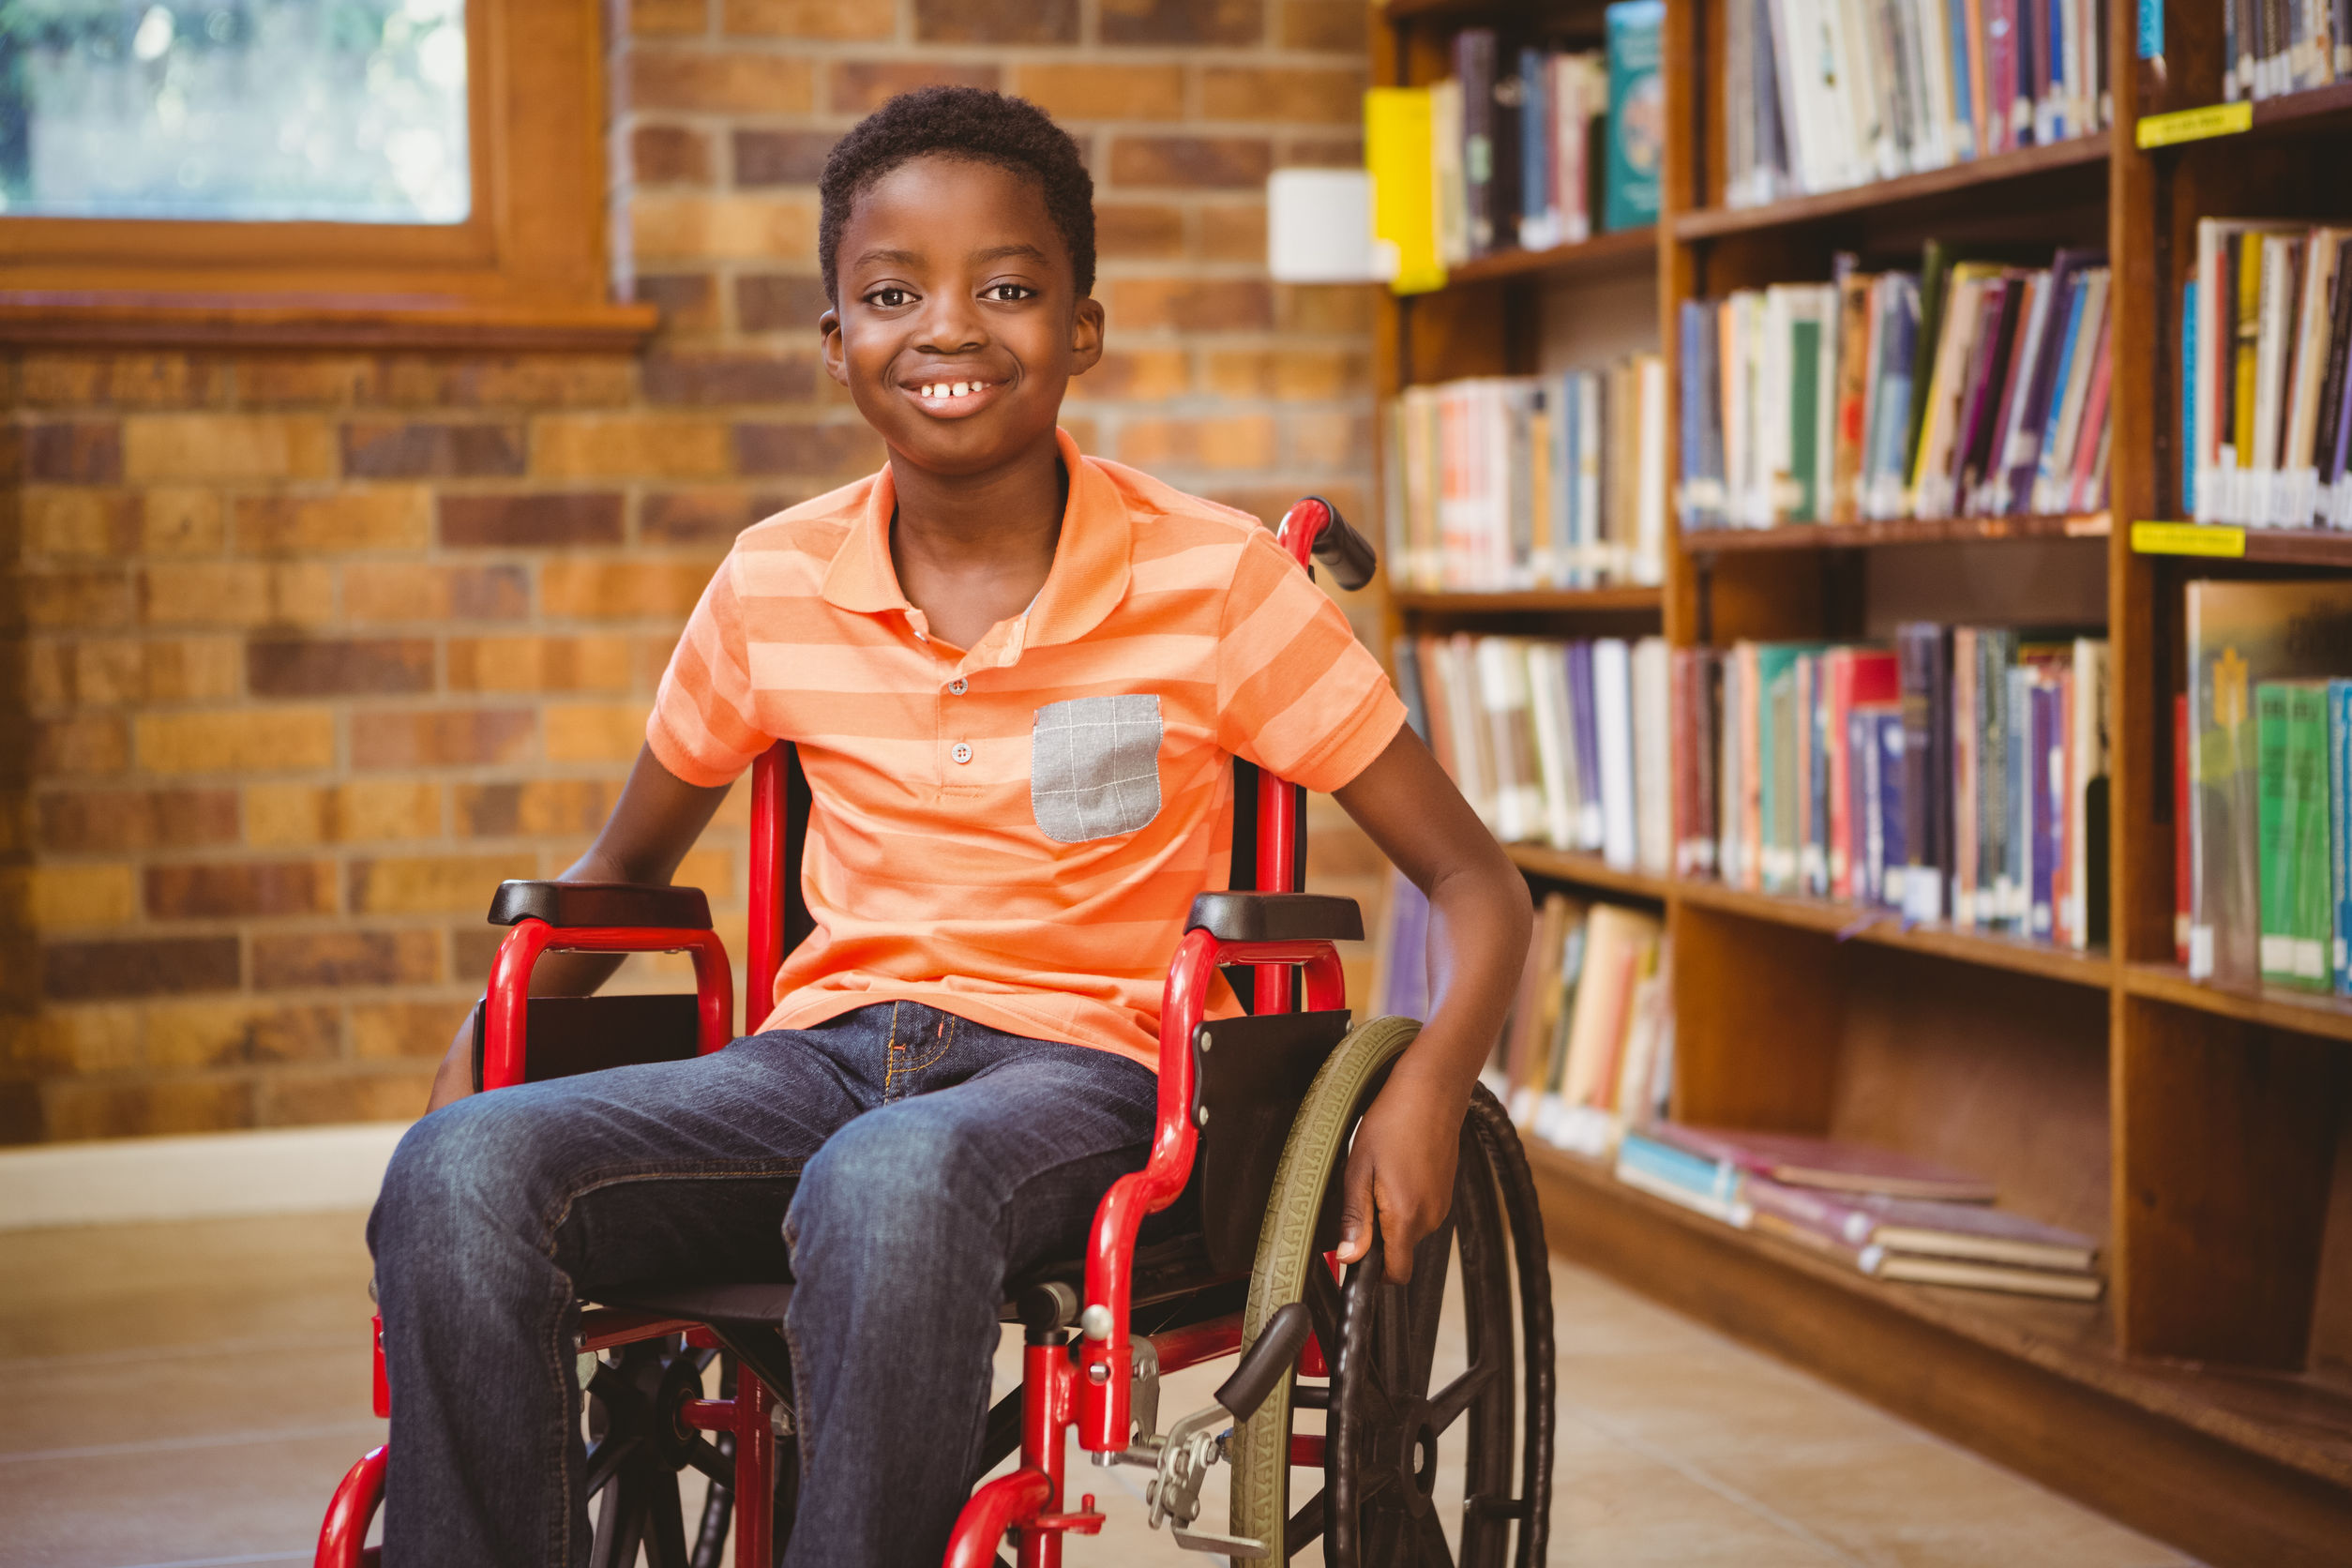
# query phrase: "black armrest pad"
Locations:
[[562, 904], [1276, 917]]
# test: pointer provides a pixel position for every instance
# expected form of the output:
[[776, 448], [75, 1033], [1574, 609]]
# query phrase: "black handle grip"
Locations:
[[1276, 1353], [1347, 553]]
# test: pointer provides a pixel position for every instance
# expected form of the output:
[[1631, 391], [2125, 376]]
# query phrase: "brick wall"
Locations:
[[307, 649]]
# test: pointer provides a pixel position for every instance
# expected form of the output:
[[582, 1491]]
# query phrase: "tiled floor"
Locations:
[[187, 1396]]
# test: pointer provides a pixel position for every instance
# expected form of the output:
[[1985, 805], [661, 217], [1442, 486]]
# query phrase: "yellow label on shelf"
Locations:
[[2187, 538], [2192, 125]]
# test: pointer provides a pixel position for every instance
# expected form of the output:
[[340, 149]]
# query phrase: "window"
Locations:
[[305, 170], [341, 110]]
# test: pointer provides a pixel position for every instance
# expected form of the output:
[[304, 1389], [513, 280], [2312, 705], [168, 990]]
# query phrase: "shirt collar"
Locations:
[[1088, 579]]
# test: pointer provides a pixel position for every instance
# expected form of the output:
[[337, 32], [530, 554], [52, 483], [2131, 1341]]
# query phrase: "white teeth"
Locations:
[[962, 387], [934, 391]]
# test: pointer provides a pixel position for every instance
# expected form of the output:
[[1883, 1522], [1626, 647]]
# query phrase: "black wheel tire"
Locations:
[[637, 1463], [1381, 1334]]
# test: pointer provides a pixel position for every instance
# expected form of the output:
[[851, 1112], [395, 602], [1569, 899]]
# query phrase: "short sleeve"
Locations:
[[702, 728], [1297, 694]]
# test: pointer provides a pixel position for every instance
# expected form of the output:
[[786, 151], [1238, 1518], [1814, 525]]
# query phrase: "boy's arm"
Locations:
[[1480, 915], [654, 824]]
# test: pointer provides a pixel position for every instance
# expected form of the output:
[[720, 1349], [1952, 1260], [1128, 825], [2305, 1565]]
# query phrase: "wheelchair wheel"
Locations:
[[638, 1454], [1386, 1430]]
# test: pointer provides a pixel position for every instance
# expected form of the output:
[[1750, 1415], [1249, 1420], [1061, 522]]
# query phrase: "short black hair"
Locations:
[[960, 122]]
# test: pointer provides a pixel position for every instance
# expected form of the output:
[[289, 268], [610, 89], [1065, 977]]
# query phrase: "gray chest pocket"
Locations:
[[1094, 766]]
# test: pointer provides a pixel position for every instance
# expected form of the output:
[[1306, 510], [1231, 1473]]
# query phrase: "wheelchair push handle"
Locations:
[[1276, 1353], [1335, 541]]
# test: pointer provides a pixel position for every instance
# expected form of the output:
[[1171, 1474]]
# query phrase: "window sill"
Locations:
[[68, 318]]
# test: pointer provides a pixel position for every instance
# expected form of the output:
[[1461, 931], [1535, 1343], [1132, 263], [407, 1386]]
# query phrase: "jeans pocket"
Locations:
[[1094, 766]]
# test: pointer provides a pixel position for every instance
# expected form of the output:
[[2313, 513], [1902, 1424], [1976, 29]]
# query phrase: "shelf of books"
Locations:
[[1905, 638]]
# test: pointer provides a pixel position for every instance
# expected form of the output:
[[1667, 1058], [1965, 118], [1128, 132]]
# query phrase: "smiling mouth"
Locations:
[[950, 396]]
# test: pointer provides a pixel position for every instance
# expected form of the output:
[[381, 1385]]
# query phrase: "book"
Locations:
[[1972, 1230], [1662, 1169], [1636, 120], [2291, 791], [1398, 128], [2340, 831], [1797, 1160]]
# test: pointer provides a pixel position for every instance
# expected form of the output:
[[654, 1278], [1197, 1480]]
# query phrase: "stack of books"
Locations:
[[2267, 418], [1589, 1045], [1507, 483], [1529, 147], [2263, 751], [1972, 388], [1883, 1213], [1820, 94], [1960, 775], [1562, 743], [2270, 51]]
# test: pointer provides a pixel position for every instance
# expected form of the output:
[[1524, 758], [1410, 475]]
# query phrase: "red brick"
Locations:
[[388, 1031], [1133, 228], [291, 379], [254, 887], [239, 1033], [1191, 304], [1145, 375], [537, 662], [104, 1109], [338, 667], [103, 820], [82, 600], [1233, 232], [82, 452], [560, 518], [708, 80], [1221, 22], [688, 300], [472, 949], [89, 970], [423, 885], [778, 302], [622, 590], [1335, 26], [738, 377], [862, 87], [1320, 151], [1298, 94], [672, 16], [400, 591], [373, 450], [781, 157], [1230, 442], [293, 961], [708, 515], [810, 18], [1192, 162], [669, 155], [1334, 307], [80, 521], [125, 380], [542, 808], [314, 1098], [391, 517], [837, 448], [1092, 90], [442, 737], [996, 20], [82, 744]]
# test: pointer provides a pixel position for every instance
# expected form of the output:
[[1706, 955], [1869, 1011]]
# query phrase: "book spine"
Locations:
[[1635, 118], [1474, 68], [2311, 916], [2340, 831], [1891, 808], [2046, 765], [2275, 818], [2182, 852]]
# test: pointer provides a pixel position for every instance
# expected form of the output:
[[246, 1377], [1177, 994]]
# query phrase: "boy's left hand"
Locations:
[[1402, 1168]]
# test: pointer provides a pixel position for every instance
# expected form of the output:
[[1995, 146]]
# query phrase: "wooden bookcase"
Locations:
[[2204, 1135]]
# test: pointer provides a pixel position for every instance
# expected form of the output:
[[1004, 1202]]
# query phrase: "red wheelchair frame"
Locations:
[[1095, 1395]]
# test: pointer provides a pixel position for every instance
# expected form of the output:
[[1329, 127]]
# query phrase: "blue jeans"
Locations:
[[900, 1163]]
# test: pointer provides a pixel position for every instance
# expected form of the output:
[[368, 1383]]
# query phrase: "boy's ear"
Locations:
[[836, 358], [1086, 336]]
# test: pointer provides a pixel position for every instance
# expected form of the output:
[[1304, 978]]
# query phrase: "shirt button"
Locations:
[[958, 686], [962, 753]]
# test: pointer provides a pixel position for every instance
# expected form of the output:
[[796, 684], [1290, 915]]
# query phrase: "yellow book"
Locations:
[[1397, 150], [2247, 341]]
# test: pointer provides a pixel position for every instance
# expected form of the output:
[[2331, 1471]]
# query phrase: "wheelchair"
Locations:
[[1254, 1117]]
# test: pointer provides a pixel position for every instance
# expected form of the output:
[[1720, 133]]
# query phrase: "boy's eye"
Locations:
[[889, 300], [1006, 294]]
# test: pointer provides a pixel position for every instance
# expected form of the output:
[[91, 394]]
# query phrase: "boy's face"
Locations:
[[959, 324]]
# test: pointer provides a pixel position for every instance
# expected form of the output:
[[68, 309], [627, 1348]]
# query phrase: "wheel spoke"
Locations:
[[1423, 1304], [1304, 1525], [606, 1459], [1450, 1401], [665, 1521], [711, 1462]]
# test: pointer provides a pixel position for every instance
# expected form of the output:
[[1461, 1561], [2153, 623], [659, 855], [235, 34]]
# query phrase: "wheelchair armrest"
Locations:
[[575, 904], [1276, 917]]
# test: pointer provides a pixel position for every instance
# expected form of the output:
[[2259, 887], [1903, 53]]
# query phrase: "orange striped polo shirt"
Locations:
[[1013, 832]]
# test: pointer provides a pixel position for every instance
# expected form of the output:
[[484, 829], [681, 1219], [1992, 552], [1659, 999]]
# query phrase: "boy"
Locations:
[[1016, 676]]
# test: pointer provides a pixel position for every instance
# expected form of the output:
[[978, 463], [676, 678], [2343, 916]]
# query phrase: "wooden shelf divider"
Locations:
[[2274, 1006], [1887, 928], [1626, 251], [1908, 531], [1529, 601], [1988, 173], [1585, 870]]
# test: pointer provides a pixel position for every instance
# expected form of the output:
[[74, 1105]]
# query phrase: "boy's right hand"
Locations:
[[455, 1081]]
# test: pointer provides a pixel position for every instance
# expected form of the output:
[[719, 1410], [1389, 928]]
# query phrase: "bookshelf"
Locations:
[[2203, 1132]]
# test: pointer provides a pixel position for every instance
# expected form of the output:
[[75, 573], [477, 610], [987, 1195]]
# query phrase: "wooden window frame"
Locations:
[[528, 267]]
